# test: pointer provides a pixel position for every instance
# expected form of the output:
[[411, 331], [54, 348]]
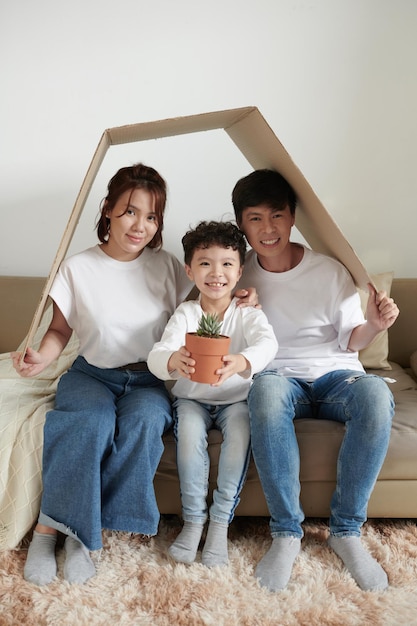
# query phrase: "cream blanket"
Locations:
[[23, 405]]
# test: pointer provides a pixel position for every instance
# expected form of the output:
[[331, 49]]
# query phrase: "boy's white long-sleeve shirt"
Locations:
[[251, 335]]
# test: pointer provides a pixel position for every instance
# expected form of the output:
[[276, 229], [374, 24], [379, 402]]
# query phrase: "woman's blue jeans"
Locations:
[[102, 446], [362, 402], [192, 421]]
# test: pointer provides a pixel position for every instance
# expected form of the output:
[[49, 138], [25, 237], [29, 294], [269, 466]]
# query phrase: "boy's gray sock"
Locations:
[[40, 567], [274, 570], [184, 549], [215, 548], [78, 566], [366, 571]]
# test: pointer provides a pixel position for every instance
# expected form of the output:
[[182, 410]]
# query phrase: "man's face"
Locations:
[[267, 230]]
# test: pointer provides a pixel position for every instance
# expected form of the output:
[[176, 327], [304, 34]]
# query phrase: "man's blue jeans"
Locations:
[[362, 402], [192, 421], [102, 446]]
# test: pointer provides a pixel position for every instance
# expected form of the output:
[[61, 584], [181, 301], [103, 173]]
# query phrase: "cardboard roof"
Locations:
[[259, 145]]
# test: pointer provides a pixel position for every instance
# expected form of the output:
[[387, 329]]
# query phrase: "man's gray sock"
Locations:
[[184, 549], [40, 567], [78, 566], [215, 548], [366, 571], [274, 570]]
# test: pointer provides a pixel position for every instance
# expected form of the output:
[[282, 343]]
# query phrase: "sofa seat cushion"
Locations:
[[319, 440]]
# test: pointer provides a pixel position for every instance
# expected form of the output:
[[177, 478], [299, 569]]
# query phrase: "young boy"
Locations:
[[214, 256], [312, 303]]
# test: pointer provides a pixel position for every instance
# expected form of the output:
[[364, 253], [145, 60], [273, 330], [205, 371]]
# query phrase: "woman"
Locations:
[[103, 439]]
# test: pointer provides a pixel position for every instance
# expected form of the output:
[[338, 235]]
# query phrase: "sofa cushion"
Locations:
[[375, 356], [319, 442]]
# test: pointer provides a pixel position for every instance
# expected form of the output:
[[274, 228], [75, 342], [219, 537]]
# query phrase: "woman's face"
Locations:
[[133, 224]]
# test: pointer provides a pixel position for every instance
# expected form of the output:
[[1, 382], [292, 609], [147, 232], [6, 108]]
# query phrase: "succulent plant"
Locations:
[[209, 325]]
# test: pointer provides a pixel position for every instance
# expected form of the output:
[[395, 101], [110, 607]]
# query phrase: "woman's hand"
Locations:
[[54, 341], [31, 365]]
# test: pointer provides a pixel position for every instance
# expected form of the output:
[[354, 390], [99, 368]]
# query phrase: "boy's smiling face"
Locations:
[[215, 271]]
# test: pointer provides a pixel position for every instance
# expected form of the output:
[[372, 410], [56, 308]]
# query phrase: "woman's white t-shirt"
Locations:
[[117, 309]]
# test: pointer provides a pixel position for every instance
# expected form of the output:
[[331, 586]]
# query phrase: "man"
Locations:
[[312, 303]]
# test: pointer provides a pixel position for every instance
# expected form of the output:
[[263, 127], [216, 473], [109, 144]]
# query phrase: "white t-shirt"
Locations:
[[119, 309], [250, 333], [313, 309]]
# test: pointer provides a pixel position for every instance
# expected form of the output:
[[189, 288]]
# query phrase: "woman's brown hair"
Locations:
[[133, 177]]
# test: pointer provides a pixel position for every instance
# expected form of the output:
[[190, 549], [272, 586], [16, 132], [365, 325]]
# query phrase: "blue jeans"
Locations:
[[362, 402], [192, 421], [102, 446]]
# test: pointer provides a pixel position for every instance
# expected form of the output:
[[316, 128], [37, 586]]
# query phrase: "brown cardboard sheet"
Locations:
[[255, 139]]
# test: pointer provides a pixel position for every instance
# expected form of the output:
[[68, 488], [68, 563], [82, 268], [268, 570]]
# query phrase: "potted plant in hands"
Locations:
[[207, 346]]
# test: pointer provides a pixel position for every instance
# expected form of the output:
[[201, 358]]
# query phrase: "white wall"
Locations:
[[335, 79]]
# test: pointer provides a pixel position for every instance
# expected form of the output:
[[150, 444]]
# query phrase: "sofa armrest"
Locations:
[[402, 335]]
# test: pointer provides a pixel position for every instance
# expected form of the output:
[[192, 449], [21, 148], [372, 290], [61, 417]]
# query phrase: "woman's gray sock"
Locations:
[[40, 567], [184, 549], [78, 566], [274, 570], [215, 548], [366, 571]]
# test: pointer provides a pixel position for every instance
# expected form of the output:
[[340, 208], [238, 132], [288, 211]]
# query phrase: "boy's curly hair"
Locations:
[[208, 234]]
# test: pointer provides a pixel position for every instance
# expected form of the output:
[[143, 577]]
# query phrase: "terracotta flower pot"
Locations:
[[207, 353]]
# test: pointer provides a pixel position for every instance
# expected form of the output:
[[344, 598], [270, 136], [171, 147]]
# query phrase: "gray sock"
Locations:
[[215, 548], [78, 566], [184, 549], [40, 567], [366, 571], [274, 570]]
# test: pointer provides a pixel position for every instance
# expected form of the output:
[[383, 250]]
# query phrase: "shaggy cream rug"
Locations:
[[138, 585]]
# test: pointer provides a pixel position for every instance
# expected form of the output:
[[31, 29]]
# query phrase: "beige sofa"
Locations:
[[395, 494]]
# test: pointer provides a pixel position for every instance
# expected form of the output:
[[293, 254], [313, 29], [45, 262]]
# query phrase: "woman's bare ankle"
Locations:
[[45, 530]]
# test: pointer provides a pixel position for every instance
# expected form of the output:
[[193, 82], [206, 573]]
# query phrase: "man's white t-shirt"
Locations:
[[313, 309], [119, 309]]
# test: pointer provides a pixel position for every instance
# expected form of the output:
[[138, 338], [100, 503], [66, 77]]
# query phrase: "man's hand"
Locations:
[[381, 313], [381, 310], [247, 297]]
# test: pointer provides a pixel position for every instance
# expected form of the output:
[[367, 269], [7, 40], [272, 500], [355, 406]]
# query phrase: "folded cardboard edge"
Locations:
[[258, 143]]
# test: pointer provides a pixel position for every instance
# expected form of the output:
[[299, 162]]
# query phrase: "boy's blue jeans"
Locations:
[[362, 402], [102, 446], [192, 421]]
